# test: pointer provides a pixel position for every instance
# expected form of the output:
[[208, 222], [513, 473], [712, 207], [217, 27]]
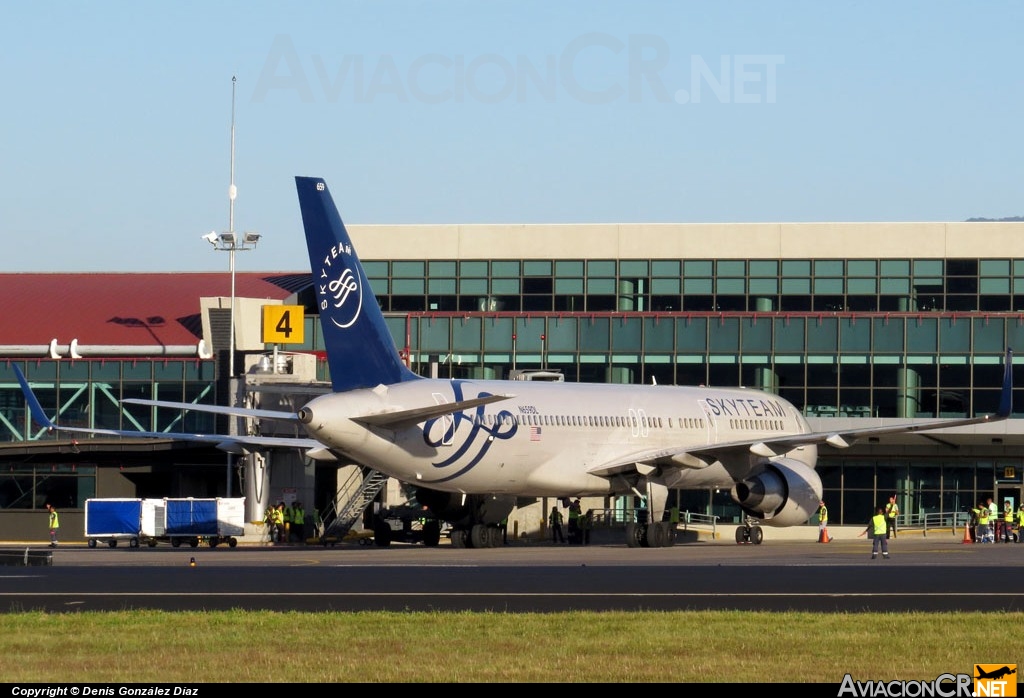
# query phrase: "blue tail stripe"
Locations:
[[361, 352]]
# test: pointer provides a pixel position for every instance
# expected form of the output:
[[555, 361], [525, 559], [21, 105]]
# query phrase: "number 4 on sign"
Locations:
[[283, 324]]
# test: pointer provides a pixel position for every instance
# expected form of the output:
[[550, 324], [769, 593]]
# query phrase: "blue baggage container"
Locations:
[[111, 520]]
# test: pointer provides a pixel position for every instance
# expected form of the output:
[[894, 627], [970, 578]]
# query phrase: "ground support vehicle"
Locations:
[[405, 524]]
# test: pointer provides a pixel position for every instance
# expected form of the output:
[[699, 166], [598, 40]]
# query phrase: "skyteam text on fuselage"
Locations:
[[475, 449]]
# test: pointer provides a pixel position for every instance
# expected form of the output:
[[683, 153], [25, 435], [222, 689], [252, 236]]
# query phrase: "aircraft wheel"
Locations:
[[756, 535], [458, 538], [655, 536], [741, 534], [112, 542], [634, 535], [92, 542], [431, 533], [479, 536]]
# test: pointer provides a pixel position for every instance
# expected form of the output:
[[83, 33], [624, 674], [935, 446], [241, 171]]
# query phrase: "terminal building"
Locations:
[[848, 321]]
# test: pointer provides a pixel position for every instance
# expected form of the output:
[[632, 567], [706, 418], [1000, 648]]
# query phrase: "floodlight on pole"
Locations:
[[231, 243]]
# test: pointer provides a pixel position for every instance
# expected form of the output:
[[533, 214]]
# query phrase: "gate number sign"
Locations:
[[283, 324]]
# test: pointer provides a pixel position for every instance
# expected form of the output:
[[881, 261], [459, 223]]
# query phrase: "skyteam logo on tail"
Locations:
[[341, 298]]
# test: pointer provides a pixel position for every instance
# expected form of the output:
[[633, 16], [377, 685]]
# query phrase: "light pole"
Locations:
[[231, 242]]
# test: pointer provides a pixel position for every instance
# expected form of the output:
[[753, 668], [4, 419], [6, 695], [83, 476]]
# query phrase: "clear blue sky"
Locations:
[[115, 119]]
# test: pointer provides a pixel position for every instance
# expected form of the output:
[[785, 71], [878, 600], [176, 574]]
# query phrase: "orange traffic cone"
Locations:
[[824, 537], [967, 534]]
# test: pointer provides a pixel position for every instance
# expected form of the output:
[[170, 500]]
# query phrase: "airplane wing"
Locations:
[[217, 409], [242, 443], [696, 457], [238, 443]]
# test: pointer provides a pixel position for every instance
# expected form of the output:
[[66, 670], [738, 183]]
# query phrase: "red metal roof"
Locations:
[[123, 309]]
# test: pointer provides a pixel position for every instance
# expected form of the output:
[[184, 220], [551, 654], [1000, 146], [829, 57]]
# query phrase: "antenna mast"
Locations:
[[232, 189]]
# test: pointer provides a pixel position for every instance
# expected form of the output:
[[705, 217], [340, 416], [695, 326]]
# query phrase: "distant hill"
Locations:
[[1011, 219]]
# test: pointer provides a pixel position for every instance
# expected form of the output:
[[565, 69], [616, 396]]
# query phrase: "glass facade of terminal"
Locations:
[[886, 338]]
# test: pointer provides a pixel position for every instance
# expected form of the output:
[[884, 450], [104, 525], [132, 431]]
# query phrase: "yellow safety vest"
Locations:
[[880, 526]]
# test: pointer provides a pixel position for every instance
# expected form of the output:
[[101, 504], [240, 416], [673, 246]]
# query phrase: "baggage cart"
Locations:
[[215, 521], [113, 520]]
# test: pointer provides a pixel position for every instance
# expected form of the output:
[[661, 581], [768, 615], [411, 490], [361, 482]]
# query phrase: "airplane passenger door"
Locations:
[[638, 423], [712, 423]]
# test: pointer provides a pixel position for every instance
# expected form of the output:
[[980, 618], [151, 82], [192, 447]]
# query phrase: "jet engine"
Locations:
[[786, 493]]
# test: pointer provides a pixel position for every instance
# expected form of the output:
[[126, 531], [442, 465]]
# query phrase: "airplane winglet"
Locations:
[[33, 402], [1006, 396]]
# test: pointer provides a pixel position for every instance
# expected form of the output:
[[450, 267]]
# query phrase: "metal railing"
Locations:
[[607, 518], [933, 521], [691, 519]]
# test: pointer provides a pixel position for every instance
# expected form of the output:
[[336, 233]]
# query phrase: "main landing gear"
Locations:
[[660, 534], [749, 532]]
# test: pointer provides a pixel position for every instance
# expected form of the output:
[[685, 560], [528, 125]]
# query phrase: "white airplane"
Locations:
[[475, 449]]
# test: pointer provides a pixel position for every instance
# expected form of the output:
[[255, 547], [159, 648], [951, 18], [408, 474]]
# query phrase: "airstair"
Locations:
[[353, 498]]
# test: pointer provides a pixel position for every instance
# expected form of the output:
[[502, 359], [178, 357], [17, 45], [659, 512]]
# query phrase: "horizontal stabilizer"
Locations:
[[406, 418]]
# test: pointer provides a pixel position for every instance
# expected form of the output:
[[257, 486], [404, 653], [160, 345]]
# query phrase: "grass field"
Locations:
[[576, 647]]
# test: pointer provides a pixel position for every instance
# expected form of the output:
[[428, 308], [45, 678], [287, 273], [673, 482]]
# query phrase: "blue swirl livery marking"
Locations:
[[341, 298], [479, 438]]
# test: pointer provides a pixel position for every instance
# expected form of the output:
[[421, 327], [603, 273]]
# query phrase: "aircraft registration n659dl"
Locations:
[[475, 449]]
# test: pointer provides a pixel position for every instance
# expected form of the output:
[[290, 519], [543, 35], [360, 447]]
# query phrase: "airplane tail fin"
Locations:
[[361, 352], [35, 409]]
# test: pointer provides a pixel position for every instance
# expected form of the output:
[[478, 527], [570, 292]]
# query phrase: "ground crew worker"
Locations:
[[279, 523], [317, 522], [892, 512], [975, 512], [823, 536], [286, 510], [54, 524], [1020, 522], [1008, 521], [575, 512], [877, 527], [984, 532], [555, 521], [268, 521], [586, 523], [299, 523]]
